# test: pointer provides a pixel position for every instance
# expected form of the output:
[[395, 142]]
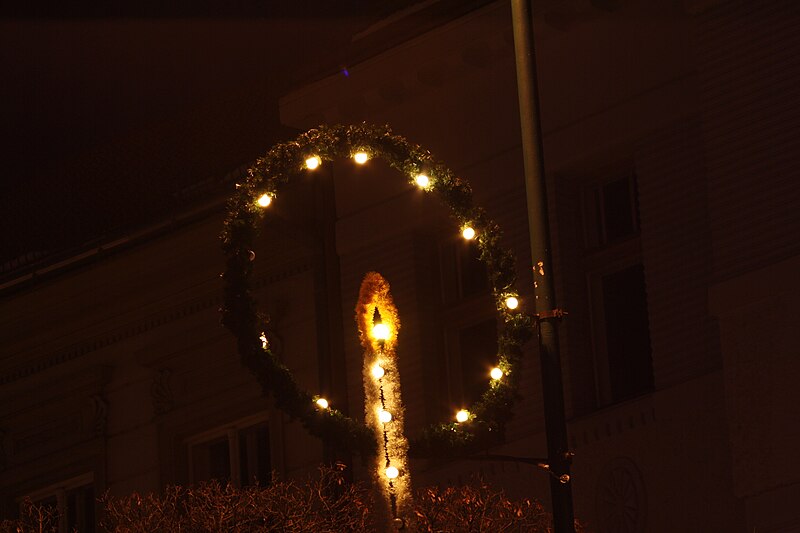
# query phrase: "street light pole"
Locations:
[[544, 289]]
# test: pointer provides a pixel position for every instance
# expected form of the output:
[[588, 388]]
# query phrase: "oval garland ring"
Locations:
[[477, 427]]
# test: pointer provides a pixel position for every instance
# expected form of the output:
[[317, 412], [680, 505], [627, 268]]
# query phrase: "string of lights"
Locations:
[[378, 327]]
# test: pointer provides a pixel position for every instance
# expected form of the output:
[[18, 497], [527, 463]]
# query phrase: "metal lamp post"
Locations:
[[552, 387]]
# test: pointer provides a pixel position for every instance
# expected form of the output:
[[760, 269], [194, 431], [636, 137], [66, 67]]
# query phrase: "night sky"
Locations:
[[108, 114]]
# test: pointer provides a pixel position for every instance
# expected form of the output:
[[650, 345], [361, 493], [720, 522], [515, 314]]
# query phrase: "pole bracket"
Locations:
[[553, 313]]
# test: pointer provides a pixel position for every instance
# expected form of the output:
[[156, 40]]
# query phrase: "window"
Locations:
[[239, 454], [627, 336], [477, 356], [468, 317], [74, 502], [611, 211], [212, 460], [463, 274], [617, 290]]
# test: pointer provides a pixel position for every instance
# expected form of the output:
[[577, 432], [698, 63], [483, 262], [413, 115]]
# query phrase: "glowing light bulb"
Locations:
[[380, 332], [462, 415], [423, 181], [323, 403], [313, 162], [468, 233], [512, 302], [361, 157], [385, 416], [264, 200], [392, 472], [496, 373], [378, 371]]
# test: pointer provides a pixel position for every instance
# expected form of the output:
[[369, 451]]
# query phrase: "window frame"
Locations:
[[60, 491], [602, 258], [597, 320], [459, 312], [231, 432]]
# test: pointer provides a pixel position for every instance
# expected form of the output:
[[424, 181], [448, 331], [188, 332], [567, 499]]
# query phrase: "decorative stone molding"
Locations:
[[99, 414], [622, 419], [161, 392], [133, 329], [620, 500]]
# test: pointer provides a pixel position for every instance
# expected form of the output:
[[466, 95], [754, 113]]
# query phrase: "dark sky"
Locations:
[[108, 113]]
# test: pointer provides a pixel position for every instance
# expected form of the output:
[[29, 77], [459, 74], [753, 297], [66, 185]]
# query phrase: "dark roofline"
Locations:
[[389, 32], [203, 200]]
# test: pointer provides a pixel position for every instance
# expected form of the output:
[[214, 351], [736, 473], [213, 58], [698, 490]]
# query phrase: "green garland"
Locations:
[[239, 314]]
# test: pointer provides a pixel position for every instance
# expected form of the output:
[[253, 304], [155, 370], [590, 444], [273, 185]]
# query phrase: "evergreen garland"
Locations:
[[239, 313]]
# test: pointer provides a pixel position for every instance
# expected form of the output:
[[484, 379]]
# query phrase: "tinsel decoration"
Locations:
[[383, 405], [239, 311]]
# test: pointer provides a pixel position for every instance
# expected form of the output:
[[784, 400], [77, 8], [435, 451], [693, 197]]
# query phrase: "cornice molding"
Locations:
[[136, 328]]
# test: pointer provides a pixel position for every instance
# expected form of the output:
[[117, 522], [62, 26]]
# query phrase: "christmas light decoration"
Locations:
[[496, 373], [313, 162], [241, 316], [264, 200], [423, 181], [462, 415], [512, 302], [361, 157], [376, 314], [322, 402], [468, 233], [380, 332], [378, 371]]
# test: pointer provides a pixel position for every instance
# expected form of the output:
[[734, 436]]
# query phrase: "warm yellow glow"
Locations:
[[313, 162], [264, 200], [361, 157], [462, 415], [380, 332], [468, 233], [322, 402], [379, 328], [512, 302], [496, 373], [422, 180]]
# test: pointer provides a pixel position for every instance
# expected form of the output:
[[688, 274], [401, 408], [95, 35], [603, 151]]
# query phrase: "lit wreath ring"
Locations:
[[239, 314]]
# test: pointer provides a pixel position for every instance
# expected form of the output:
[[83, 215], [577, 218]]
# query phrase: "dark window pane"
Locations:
[[80, 509], [264, 469], [51, 513], [630, 364], [478, 345], [72, 510], [211, 460], [254, 458], [618, 210], [88, 509], [473, 272], [448, 264], [219, 460]]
